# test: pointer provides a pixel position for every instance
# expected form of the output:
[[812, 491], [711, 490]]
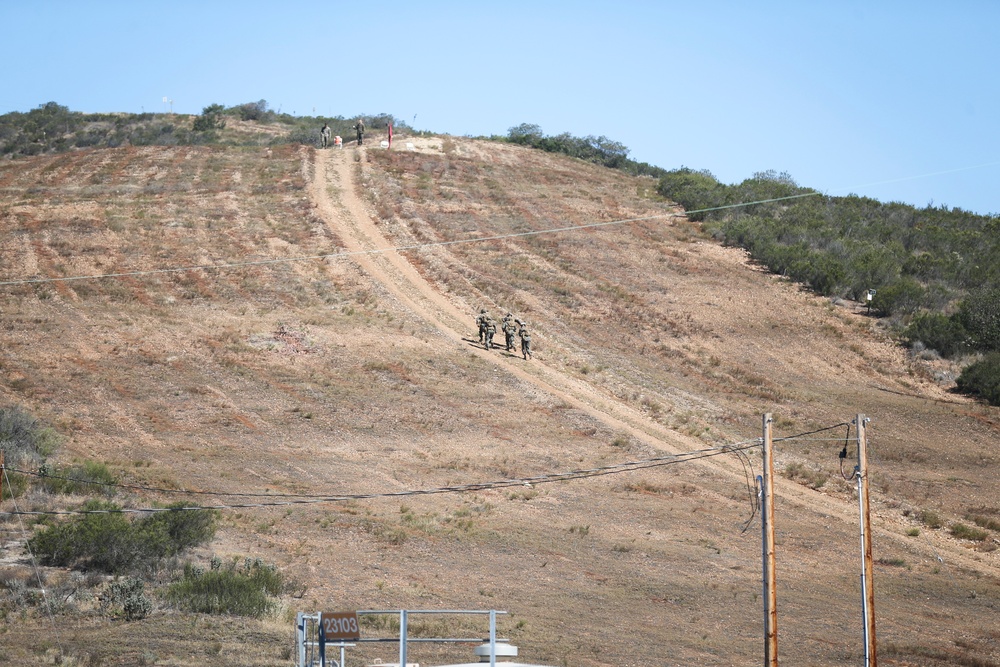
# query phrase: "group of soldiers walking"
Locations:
[[511, 327]]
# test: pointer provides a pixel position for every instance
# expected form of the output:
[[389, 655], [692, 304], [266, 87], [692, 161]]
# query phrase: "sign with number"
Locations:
[[340, 626]]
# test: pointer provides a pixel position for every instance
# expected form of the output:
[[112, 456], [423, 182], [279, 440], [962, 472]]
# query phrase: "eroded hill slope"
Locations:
[[264, 336]]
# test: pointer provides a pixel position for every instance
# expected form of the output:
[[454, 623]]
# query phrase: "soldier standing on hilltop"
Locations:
[[324, 136], [360, 127]]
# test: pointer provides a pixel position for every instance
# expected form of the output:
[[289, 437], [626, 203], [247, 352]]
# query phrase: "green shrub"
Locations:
[[696, 191], [931, 519], [102, 541], [210, 119], [964, 532], [246, 590], [982, 378], [23, 439], [180, 529], [105, 539], [599, 150], [902, 297], [526, 134], [13, 485], [765, 187], [980, 315], [25, 443], [90, 477], [937, 332], [984, 521], [256, 111], [125, 598]]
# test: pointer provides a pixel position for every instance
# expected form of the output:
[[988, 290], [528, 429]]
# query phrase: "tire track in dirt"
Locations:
[[348, 217]]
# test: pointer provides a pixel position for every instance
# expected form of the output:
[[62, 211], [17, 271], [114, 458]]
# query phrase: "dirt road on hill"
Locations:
[[334, 191]]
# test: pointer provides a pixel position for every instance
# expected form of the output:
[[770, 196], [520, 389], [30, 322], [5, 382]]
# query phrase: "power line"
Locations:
[[419, 246], [304, 499], [332, 256], [402, 248], [801, 436], [462, 488]]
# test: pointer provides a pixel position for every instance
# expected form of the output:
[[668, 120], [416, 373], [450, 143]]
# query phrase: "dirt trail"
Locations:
[[334, 191]]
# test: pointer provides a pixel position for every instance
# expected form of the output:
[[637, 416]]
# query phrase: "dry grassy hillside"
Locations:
[[263, 335]]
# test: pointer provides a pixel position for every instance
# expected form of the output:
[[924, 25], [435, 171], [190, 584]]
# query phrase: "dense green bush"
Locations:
[[105, 539], [979, 314], [599, 150], [903, 296], [937, 332], [210, 119], [982, 378], [245, 590], [697, 191], [916, 259], [256, 111]]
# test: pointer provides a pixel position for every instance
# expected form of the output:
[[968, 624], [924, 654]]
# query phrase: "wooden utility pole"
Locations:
[[767, 528], [867, 581]]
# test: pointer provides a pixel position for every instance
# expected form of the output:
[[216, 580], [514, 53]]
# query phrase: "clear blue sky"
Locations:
[[896, 100]]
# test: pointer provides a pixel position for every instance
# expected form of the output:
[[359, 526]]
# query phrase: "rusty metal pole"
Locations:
[[767, 527], [867, 574]]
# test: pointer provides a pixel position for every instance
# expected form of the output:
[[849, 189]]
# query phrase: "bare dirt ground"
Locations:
[[331, 350]]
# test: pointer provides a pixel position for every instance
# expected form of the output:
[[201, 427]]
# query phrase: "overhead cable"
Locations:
[[461, 488], [375, 251]]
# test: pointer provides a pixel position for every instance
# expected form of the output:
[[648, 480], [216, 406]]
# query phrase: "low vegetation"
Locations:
[[103, 538], [599, 150], [53, 128], [23, 439], [246, 589], [934, 271], [126, 599]]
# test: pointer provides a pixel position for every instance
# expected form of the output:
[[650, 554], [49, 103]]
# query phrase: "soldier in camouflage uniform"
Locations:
[[481, 323], [509, 329], [491, 330], [525, 340]]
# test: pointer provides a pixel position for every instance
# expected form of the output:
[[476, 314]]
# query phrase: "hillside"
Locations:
[[264, 336]]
